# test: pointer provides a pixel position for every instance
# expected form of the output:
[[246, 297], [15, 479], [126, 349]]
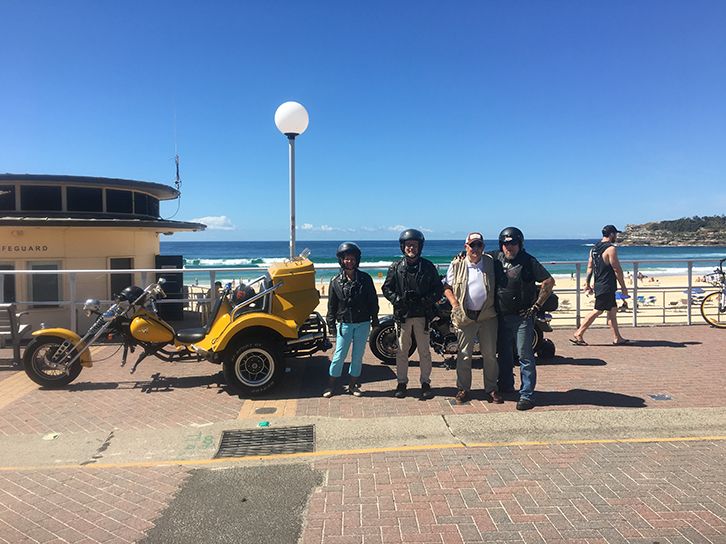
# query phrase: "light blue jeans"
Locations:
[[516, 331], [357, 334]]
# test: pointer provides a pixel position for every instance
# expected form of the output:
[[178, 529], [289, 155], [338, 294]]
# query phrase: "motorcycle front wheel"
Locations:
[[37, 361], [254, 366], [384, 343]]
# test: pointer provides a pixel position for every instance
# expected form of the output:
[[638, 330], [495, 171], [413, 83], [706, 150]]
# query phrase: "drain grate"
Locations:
[[267, 442]]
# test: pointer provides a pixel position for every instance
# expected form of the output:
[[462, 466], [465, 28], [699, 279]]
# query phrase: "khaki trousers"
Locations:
[[417, 325], [486, 332]]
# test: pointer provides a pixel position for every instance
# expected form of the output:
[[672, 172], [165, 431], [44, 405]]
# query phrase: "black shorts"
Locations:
[[606, 301]]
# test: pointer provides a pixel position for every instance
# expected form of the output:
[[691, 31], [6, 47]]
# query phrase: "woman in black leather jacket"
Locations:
[[353, 305]]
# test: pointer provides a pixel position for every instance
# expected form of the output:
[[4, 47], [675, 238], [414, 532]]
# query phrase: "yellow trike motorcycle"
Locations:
[[249, 331]]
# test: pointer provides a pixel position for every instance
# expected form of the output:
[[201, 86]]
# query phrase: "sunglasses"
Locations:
[[511, 243], [475, 244]]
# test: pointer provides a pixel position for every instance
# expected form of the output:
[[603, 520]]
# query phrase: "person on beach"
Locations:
[[517, 303], [605, 267], [353, 304], [412, 286], [469, 287]]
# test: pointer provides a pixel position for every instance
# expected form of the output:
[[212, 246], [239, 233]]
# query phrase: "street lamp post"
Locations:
[[292, 119]]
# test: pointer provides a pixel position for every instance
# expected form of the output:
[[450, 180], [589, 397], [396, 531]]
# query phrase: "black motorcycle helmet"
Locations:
[[242, 293], [513, 234], [348, 247], [411, 234], [131, 293]]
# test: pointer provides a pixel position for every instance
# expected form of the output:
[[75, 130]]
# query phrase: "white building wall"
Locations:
[[75, 248]]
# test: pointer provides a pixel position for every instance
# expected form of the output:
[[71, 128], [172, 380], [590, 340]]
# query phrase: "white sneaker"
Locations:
[[355, 391], [328, 393]]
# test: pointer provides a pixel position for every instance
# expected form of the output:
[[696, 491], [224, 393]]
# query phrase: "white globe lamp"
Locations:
[[292, 119]]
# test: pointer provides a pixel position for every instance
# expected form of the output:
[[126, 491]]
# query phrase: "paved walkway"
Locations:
[[627, 444]]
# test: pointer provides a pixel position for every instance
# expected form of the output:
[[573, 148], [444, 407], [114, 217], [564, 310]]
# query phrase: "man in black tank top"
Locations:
[[605, 267]]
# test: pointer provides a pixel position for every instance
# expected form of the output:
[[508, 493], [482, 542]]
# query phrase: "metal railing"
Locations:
[[144, 274]]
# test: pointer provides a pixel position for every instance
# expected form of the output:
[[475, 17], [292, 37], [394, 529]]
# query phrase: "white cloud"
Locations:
[[216, 223], [321, 228], [396, 228]]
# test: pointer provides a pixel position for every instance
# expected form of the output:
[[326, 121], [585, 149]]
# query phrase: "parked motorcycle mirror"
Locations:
[[161, 281], [92, 305]]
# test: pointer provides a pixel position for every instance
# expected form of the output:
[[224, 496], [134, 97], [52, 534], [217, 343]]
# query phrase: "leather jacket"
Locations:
[[352, 301], [413, 298]]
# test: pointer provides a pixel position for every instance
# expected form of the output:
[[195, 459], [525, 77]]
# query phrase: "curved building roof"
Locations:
[[83, 201], [162, 192]]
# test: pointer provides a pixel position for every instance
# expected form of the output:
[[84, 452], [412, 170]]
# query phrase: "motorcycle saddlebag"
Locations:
[[551, 304]]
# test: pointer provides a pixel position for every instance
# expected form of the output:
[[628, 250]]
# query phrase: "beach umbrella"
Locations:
[[696, 290]]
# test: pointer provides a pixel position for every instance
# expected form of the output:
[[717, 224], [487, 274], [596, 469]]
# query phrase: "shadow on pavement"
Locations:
[[579, 361], [577, 397], [660, 344], [157, 384]]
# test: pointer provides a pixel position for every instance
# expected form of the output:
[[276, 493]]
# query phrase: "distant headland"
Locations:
[[687, 231]]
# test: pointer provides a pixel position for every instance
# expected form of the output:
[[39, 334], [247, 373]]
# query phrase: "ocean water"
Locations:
[[380, 253]]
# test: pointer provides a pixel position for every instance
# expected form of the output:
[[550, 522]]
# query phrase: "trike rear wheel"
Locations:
[[254, 366]]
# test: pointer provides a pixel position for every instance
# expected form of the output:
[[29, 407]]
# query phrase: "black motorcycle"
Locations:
[[384, 343]]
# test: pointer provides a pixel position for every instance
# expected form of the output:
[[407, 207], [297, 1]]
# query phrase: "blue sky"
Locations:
[[557, 117]]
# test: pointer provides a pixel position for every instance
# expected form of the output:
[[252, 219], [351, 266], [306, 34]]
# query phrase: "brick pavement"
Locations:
[[624, 492], [81, 505], [659, 491]]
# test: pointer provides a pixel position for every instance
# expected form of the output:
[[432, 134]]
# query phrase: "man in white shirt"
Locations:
[[469, 287]]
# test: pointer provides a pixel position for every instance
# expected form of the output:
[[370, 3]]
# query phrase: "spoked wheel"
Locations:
[[384, 343], [713, 312], [39, 361], [254, 366]]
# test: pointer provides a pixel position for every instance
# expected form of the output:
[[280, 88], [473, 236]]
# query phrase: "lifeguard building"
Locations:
[[77, 223]]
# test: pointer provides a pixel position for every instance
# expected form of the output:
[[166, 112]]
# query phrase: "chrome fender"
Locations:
[[72, 337]]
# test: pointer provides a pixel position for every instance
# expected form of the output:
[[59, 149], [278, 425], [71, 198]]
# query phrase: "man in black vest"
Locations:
[[605, 267], [518, 302]]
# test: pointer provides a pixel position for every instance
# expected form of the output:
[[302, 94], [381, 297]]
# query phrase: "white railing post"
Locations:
[[635, 294], [690, 291], [578, 271], [74, 318]]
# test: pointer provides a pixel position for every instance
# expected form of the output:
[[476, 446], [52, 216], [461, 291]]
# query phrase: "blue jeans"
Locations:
[[357, 334], [516, 331]]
